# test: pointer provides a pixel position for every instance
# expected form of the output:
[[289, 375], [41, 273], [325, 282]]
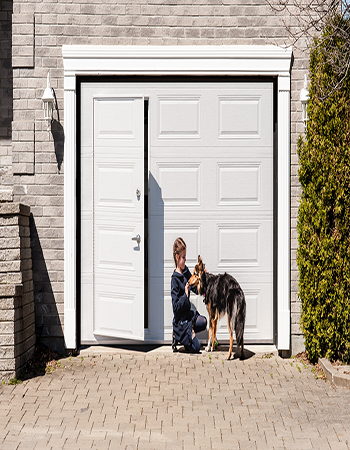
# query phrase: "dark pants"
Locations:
[[199, 325]]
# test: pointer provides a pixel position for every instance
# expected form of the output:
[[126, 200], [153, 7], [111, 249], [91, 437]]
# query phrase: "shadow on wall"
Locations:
[[6, 78], [58, 139], [58, 136], [48, 325]]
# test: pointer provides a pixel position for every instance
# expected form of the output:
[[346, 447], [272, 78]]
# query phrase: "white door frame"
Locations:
[[246, 60]]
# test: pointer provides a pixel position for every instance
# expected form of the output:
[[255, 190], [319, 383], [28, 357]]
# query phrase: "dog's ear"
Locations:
[[200, 262]]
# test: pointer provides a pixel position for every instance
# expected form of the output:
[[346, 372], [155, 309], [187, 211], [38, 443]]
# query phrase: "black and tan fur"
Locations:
[[222, 295]]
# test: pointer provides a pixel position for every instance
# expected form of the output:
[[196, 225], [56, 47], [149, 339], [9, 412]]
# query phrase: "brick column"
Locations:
[[17, 318]]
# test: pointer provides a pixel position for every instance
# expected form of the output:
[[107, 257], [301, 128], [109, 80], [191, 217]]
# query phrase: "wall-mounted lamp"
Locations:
[[48, 101], [304, 97]]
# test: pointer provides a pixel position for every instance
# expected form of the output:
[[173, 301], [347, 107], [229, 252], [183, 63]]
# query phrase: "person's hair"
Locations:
[[178, 247]]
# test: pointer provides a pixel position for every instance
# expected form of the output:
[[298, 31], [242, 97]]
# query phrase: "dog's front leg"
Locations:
[[210, 334]]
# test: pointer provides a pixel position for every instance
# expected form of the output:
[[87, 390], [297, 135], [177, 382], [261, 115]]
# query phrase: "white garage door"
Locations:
[[210, 161]]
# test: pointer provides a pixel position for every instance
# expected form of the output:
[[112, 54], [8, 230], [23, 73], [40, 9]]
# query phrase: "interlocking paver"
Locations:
[[161, 400]]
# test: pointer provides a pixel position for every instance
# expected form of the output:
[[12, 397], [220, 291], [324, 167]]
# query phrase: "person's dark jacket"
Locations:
[[184, 316]]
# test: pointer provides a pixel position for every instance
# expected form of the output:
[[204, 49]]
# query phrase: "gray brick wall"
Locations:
[[5, 92], [40, 29]]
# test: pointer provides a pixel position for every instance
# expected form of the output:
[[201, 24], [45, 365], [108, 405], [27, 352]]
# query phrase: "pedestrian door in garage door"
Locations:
[[166, 159]]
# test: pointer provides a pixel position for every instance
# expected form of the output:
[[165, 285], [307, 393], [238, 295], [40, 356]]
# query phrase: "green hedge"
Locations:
[[324, 215]]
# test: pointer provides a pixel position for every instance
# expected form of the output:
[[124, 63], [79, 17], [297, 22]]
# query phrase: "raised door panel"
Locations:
[[117, 123], [179, 117]]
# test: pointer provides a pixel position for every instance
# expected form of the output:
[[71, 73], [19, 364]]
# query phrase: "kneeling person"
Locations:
[[186, 322]]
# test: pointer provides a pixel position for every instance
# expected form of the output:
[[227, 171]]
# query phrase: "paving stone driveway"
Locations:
[[159, 400]]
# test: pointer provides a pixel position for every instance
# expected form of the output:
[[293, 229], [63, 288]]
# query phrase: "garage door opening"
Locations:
[[206, 153]]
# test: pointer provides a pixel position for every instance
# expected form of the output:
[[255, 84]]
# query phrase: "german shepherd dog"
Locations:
[[222, 295]]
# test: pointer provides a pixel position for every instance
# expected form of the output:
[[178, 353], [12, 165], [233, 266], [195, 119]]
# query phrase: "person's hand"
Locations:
[[187, 289]]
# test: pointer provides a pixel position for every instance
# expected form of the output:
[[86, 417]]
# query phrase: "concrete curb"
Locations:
[[337, 375]]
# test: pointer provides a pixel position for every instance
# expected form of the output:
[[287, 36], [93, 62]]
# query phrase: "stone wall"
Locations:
[[17, 318]]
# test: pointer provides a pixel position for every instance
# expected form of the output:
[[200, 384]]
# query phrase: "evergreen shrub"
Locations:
[[324, 214]]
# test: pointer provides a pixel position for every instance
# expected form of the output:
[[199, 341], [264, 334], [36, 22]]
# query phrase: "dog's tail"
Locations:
[[240, 319]]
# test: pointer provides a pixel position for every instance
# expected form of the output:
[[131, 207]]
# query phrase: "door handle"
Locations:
[[136, 238]]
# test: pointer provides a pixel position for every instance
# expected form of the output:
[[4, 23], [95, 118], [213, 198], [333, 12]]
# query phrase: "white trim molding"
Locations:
[[283, 215], [70, 213], [247, 60]]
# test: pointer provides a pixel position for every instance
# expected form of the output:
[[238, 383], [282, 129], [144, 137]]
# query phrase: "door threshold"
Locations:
[[97, 350]]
